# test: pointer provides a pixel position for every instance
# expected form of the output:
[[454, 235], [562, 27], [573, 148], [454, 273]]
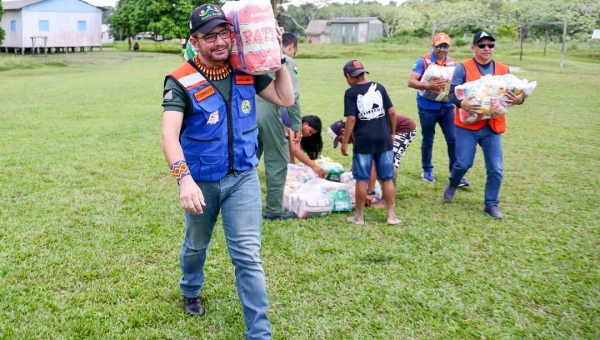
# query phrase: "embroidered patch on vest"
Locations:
[[246, 106], [213, 118], [204, 93], [244, 79], [296, 69]]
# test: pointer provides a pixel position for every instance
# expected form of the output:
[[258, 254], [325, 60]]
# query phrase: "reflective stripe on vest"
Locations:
[[212, 136], [472, 72]]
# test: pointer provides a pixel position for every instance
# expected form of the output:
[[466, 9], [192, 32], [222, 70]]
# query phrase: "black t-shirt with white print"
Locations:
[[369, 103]]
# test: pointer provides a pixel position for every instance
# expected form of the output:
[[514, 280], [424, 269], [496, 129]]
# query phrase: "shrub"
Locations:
[[459, 42]]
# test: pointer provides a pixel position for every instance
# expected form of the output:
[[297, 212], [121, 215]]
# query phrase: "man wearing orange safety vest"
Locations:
[[487, 133], [431, 110]]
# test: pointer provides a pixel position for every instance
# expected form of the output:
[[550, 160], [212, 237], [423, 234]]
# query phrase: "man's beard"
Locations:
[[208, 55]]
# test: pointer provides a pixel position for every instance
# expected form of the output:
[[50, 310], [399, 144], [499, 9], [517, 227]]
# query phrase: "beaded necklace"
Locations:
[[213, 73]]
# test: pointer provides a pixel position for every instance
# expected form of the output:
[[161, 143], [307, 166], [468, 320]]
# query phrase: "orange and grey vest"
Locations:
[[217, 138], [449, 62], [472, 73]]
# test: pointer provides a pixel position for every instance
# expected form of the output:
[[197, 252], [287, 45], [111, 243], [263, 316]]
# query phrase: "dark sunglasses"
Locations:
[[442, 47], [482, 46]]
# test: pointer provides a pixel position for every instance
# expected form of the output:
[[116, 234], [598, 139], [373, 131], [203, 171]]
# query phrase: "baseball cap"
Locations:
[[206, 17], [441, 38], [335, 130], [481, 35], [354, 68]]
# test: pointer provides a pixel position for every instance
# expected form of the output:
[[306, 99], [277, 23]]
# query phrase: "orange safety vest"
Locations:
[[498, 125], [446, 62]]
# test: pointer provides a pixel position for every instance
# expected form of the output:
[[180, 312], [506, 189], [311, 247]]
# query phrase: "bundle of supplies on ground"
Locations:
[[433, 73], [291, 186], [319, 197], [255, 49], [489, 92], [339, 192], [309, 201], [333, 169], [300, 173]]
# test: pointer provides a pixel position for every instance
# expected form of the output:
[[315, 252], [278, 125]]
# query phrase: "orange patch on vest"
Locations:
[[244, 79], [204, 93]]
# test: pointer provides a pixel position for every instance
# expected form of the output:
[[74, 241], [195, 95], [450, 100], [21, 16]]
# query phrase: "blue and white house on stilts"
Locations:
[[41, 26]]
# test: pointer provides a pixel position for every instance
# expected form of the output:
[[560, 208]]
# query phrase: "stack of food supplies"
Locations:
[[255, 48], [433, 73], [296, 176], [489, 92], [319, 197], [333, 169], [308, 195]]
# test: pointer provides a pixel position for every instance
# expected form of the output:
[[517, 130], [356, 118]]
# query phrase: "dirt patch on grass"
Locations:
[[515, 69]]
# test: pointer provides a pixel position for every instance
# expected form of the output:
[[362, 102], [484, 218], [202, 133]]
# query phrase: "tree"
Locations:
[[167, 18], [107, 12], [1, 30], [296, 18]]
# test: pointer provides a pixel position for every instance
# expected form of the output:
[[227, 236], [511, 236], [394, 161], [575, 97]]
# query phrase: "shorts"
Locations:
[[401, 143], [362, 162]]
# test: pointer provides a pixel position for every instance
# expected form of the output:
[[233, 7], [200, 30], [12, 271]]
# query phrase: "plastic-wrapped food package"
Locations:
[[289, 188], [255, 49], [309, 201], [347, 177], [322, 159], [334, 170], [489, 92], [190, 51], [300, 173], [436, 72], [339, 192]]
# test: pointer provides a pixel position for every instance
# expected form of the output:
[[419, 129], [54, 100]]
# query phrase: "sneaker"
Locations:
[[428, 175], [464, 183], [493, 211], [449, 193], [285, 216], [193, 306]]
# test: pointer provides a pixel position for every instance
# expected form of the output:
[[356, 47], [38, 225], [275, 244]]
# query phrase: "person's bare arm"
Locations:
[[350, 121], [190, 195], [302, 157], [392, 114]]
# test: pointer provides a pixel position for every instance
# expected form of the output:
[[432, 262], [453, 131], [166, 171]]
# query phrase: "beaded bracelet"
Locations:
[[179, 170]]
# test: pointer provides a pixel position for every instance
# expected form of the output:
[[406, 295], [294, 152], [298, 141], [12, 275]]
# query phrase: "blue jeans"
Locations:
[[491, 144], [428, 120], [384, 165], [238, 198]]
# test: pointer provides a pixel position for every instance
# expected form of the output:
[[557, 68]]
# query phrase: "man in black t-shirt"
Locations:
[[370, 115]]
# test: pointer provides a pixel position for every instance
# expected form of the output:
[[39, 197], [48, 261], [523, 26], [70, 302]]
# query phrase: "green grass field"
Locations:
[[91, 227]]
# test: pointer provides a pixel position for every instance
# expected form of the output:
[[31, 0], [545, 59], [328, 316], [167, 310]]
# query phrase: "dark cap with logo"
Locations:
[[335, 130], [482, 35], [205, 18], [354, 68]]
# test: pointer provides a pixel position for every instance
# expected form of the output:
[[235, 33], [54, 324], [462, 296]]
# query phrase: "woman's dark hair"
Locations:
[[312, 145]]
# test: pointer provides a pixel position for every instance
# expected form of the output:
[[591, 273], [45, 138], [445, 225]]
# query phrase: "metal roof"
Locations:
[[317, 27], [346, 20], [18, 4]]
